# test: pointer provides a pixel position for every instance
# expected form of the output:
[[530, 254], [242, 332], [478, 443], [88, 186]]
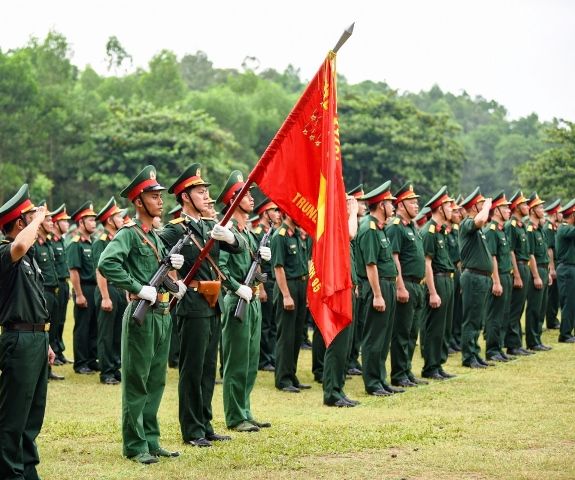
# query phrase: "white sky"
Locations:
[[517, 52]]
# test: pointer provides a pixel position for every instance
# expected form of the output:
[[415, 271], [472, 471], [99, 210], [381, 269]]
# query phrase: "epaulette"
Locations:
[[131, 223], [49, 236], [396, 221], [104, 237], [372, 225], [550, 226], [514, 222], [4, 241], [456, 226], [431, 228], [530, 228], [258, 230], [282, 232], [208, 219], [493, 227], [76, 238], [175, 221]]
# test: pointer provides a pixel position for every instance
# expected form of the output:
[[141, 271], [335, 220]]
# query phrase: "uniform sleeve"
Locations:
[[230, 283], [428, 240], [369, 246], [97, 249], [6, 258], [467, 227], [395, 236], [113, 259], [278, 250], [74, 255]]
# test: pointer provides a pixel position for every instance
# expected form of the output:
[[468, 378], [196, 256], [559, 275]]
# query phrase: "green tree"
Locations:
[[163, 85]]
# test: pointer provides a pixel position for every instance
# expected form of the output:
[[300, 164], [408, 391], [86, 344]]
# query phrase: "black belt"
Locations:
[[478, 272], [51, 289], [301, 278], [26, 327], [543, 265], [413, 279], [389, 279], [443, 274]]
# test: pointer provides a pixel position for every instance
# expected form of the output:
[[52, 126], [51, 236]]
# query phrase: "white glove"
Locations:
[[245, 292], [181, 290], [148, 293], [223, 234], [265, 253], [176, 260]]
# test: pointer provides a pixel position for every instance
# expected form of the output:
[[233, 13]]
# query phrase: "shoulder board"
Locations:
[[175, 221], [396, 221], [282, 232], [258, 230], [131, 223], [209, 219], [550, 227], [76, 238], [104, 237], [530, 228], [49, 236], [4, 241], [514, 222], [456, 226], [372, 225], [431, 229], [492, 226]]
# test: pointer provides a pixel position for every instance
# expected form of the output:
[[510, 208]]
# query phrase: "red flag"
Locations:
[[301, 172]]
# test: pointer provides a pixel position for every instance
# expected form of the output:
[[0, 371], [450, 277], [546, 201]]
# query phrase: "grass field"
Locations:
[[513, 421]]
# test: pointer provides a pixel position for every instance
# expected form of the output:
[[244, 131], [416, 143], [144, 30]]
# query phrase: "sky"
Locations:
[[519, 53]]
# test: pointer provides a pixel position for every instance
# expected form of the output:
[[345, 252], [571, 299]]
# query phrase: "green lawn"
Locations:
[[513, 421]]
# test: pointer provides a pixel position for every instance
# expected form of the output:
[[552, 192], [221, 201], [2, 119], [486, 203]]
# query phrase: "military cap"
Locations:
[[569, 208], [125, 215], [17, 205], [357, 192], [110, 209], [423, 216], [441, 197], [499, 200], [474, 198], [517, 199], [553, 207], [191, 177], [534, 200], [145, 181], [405, 193], [86, 210], [383, 192], [265, 204], [176, 211], [234, 183], [60, 214], [43, 203]]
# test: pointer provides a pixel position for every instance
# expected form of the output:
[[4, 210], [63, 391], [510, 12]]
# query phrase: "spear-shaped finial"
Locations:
[[344, 36]]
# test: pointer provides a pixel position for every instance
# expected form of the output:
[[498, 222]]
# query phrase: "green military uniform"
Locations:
[[497, 320], [129, 262], [23, 352], [109, 323], [174, 355], [477, 266], [454, 341], [374, 248], [406, 241], [63, 295], [79, 257], [516, 232], [551, 319], [289, 252], [536, 298], [565, 261]]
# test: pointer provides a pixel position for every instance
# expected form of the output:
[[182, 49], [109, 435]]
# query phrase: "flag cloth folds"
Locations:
[[301, 172]]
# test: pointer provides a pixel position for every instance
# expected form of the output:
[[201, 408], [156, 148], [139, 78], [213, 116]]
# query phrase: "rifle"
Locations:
[[161, 278], [252, 275]]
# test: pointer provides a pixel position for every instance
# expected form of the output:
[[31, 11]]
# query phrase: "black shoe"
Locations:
[[260, 424], [317, 379], [381, 393], [517, 352], [433, 376], [199, 442], [474, 364], [214, 437], [391, 389], [483, 362], [444, 374], [354, 371], [305, 346], [303, 386], [290, 389], [457, 348], [508, 358], [526, 352], [58, 363], [118, 376], [567, 340], [355, 402], [497, 358], [545, 348], [341, 403], [85, 371], [555, 326], [405, 383], [173, 364], [418, 381], [53, 376], [63, 359], [537, 348], [268, 368], [110, 381], [162, 452], [451, 351]]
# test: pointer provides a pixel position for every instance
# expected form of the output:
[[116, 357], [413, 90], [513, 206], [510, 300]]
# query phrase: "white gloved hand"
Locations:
[[244, 292], [181, 290], [148, 293], [223, 234], [265, 253], [176, 260]]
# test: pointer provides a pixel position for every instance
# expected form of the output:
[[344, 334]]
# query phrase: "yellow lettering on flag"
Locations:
[[321, 206]]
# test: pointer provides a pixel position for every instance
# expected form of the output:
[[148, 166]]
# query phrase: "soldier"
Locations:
[[268, 218], [24, 347], [174, 355], [110, 300], [240, 338], [540, 276], [439, 271], [550, 227], [457, 215], [476, 284], [407, 248], [565, 248], [516, 233], [290, 267], [197, 316], [497, 319], [377, 273], [129, 262], [83, 279], [60, 221]]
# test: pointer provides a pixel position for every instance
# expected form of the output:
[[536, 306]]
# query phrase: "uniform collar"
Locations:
[[379, 224]]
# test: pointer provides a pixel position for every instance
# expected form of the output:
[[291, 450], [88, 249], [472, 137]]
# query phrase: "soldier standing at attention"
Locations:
[[439, 272], [497, 319], [240, 338], [565, 248], [60, 220], [24, 347], [377, 272], [110, 300], [476, 284], [83, 279], [516, 232], [129, 262], [197, 316], [407, 247], [174, 355], [454, 341], [550, 227], [540, 276]]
